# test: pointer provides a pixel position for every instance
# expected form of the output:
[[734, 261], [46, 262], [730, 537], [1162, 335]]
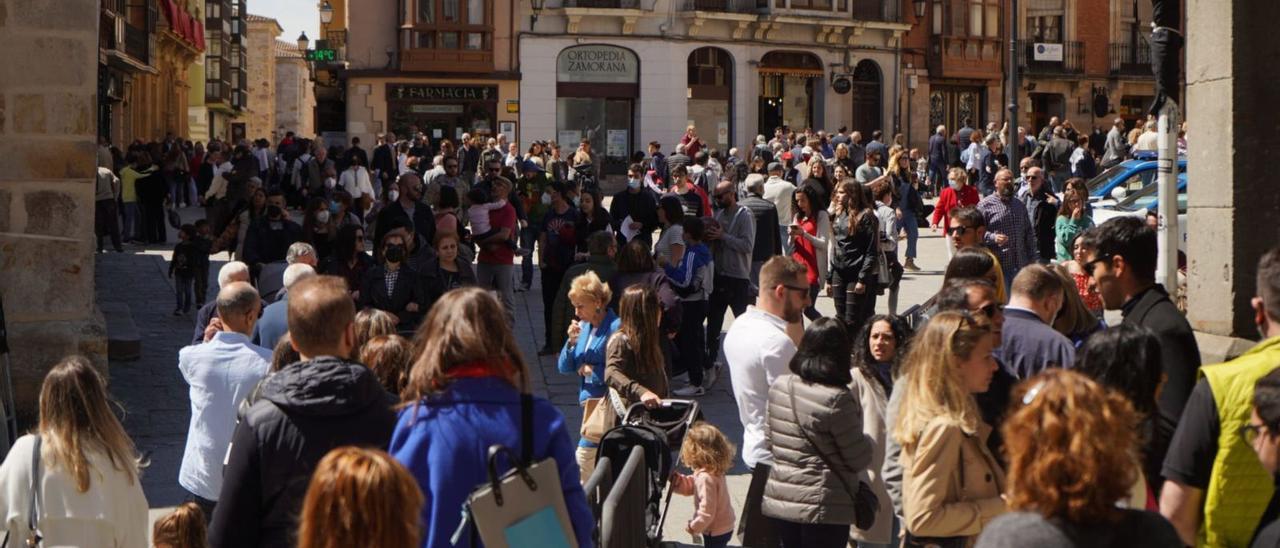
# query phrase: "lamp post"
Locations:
[[303, 41], [537, 10], [919, 6], [1014, 139]]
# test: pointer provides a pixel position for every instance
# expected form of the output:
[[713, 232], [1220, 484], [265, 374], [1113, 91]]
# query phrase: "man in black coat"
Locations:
[[355, 151], [301, 412], [268, 239], [384, 160], [768, 241], [1120, 254], [638, 202], [408, 206], [1042, 207]]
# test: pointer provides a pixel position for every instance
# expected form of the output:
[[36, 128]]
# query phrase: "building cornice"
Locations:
[[391, 73]]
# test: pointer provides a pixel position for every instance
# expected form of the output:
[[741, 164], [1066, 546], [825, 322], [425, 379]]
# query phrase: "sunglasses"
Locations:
[[991, 310], [1088, 267], [959, 230]]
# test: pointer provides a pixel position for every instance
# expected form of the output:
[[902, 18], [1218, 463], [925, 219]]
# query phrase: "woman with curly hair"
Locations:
[[952, 484], [876, 357], [1072, 449]]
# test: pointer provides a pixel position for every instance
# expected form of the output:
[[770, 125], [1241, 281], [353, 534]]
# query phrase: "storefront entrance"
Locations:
[[866, 98], [1045, 106], [787, 89], [442, 111], [950, 105], [596, 89], [710, 103]]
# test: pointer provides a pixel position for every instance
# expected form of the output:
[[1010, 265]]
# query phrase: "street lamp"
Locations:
[[303, 41], [537, 10], [326, 12], [919, 5]]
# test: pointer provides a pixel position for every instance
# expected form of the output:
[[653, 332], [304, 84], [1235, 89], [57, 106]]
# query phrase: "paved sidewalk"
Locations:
[[154, 396]]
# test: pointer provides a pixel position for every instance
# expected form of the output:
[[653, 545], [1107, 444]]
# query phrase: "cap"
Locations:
[[530, 165]]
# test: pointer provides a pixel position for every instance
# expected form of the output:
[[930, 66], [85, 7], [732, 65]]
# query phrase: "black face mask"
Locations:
[[274, 212], [394, 253]]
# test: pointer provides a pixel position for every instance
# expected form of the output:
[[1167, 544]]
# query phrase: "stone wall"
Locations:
[[260, 111], [47, 128], [295, 100]]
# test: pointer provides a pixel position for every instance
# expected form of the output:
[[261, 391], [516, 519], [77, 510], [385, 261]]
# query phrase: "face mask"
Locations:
[[633, 183], [333, 208], [577, 201], [330, 183], [394, 253], [954, 185], [322, 217], [393, 195], [546, 199]]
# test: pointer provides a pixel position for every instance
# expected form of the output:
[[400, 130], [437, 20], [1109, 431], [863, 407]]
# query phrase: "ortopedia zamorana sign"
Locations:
[[597, 63], [427, 92]]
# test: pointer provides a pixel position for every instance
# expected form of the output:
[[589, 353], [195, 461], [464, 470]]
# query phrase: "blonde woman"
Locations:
[[583, 354], [952, 484], [89, 493]]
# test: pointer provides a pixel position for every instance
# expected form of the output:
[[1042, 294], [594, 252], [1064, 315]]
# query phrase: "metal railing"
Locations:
[[728, 6], [622, 516], [137, 43], [1072, 58], [1131, 59], [606, 4], [597, 488]]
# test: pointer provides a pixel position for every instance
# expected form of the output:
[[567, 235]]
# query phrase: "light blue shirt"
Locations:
[[221, 373]]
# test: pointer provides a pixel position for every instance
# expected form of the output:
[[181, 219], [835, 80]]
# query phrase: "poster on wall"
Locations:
[[722, 133], [508, 129], [569, 138], [617, 144]]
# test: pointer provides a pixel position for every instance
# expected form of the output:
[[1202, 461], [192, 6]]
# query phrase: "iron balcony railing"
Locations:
[[1040, 57], [1131, 59], [727, 6]]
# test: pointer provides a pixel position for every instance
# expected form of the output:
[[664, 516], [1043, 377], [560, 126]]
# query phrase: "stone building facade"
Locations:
[[47, 130], [260, 110], [625, 72], [295, 95]]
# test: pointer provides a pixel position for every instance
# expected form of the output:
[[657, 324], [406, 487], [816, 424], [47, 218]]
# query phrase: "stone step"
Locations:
[[124, 342]]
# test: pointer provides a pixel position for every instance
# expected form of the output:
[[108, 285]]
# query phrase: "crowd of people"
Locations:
[[341, 396]]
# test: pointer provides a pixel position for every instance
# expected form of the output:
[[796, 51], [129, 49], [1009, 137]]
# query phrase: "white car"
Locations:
[[1137, 204]]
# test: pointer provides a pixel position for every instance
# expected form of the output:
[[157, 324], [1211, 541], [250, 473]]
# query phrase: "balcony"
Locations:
[[137, 43], [467, 48], [725, 6], [337, 38], [217, 91], [1071, 63], [966, 57], [1131, 59]]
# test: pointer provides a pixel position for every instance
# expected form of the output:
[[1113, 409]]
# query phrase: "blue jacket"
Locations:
[[690, 271], [273, 324], [444, 441], [589, 349]]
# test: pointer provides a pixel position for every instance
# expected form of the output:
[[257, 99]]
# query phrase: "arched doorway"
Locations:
[[787, 86], [710, 97], [866, 94]]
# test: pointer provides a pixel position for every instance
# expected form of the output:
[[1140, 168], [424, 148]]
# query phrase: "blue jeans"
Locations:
[[184, 287], [913, 233], [132, 227], [528, 236]]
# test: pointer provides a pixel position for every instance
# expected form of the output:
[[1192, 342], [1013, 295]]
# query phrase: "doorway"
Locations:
[[1043, 107], [866, 97]]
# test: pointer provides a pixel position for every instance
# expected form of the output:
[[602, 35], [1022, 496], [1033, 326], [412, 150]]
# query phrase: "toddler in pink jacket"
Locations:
[[709, 454]]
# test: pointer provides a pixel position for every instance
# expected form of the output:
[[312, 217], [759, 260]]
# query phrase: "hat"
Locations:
[[530, 165], [787, 156], [774, 166]]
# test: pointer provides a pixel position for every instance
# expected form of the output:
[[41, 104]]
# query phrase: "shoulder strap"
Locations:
[[33, 509], [526, 428], [795, 414]]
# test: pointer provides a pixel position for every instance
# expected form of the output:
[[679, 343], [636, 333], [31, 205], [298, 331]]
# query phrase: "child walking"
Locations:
[[710, 455], [182, 268]]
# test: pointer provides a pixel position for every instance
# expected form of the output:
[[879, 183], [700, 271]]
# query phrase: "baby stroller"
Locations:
[[659, 432]]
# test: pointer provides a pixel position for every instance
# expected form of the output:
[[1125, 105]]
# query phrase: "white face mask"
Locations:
[[330, 183], [546, 199], [393, 195], [322, 217]]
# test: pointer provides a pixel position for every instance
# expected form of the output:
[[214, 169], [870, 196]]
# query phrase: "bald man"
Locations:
[[220, 374]]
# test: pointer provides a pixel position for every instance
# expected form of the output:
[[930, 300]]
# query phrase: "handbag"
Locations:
[[523, 507], [884, 278], [865, 503], [597, 418], [34, 538]]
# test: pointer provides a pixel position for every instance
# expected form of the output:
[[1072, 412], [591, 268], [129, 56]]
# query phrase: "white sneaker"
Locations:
[[711, 376], [689, 391]]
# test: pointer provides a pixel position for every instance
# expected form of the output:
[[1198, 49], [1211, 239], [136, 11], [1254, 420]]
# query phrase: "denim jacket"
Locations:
[[589, 349]]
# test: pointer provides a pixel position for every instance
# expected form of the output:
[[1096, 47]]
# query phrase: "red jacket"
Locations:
[[948, 201]]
